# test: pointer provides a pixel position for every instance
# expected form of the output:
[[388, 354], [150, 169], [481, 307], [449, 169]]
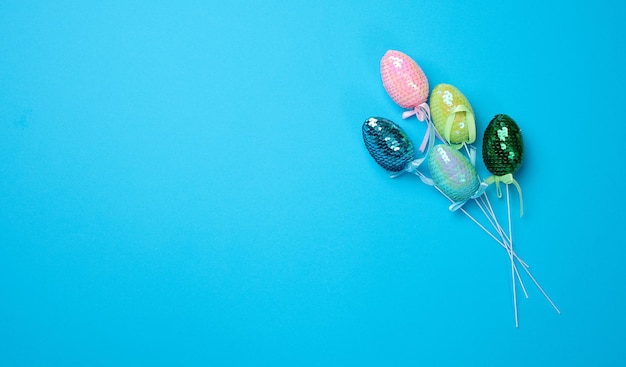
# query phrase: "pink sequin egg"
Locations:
[[403, 79]]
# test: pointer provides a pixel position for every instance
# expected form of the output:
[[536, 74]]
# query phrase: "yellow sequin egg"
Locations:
[[452, 115]]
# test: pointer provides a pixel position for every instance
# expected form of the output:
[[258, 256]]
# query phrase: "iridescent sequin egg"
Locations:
[[453, 173]]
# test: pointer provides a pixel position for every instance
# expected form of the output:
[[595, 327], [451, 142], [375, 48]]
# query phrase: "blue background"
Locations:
[[185, 183]]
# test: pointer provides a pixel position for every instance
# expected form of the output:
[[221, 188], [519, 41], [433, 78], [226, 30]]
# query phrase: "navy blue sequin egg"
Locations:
[[387, 143]]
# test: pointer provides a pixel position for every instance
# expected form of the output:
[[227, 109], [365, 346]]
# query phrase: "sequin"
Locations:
[[452, 114], [403, 79], [453, 173], [503, 148], [388, 144]]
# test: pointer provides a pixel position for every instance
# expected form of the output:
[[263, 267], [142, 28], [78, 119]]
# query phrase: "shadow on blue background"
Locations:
[[185, 183]]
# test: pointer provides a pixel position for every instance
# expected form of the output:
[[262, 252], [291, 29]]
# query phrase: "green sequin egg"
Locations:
[[503, 148]]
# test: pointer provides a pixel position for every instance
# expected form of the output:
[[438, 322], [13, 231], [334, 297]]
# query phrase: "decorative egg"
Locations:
[[403, 79], [453, 173], [452, 114], [503, 148], [387, 143]]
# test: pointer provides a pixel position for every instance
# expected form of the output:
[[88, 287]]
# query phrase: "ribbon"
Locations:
[[507, 180], [413, 165], [471, 152], [469, 120], [422, 112]]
